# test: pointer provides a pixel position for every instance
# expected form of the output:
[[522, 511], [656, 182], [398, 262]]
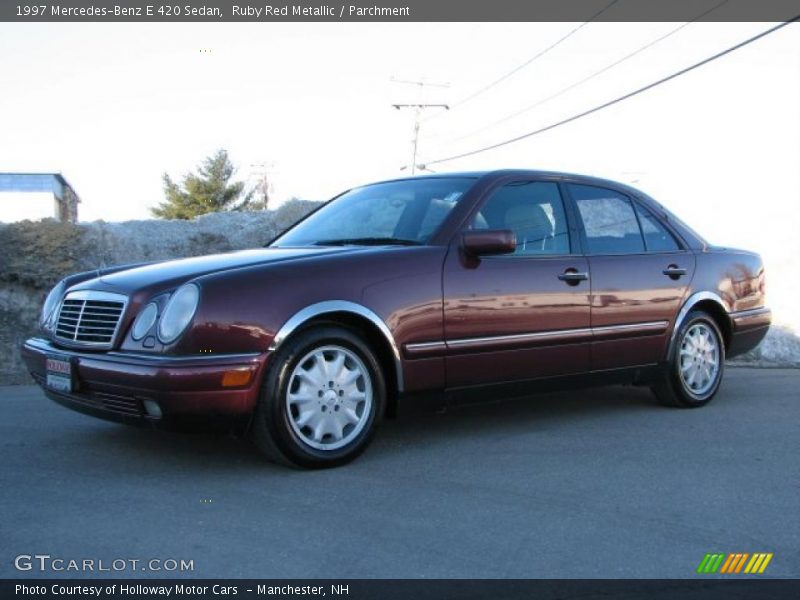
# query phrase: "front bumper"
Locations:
[[116, 385]]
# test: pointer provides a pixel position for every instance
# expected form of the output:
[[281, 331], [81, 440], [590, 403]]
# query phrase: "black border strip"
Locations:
[[218, 11], [391, 589]]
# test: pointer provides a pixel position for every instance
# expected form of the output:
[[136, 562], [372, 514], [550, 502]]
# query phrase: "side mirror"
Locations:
[[486, 242]]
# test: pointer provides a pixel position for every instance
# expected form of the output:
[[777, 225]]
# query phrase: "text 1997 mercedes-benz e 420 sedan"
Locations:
[[431, 288]]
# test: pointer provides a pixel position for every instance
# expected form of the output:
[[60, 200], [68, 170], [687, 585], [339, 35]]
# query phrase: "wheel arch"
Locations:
[[365, 322], [710, 303]]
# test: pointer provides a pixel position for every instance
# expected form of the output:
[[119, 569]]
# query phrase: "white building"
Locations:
[[37, 196]]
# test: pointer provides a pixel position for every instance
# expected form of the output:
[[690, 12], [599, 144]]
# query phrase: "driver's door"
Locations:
[[522, 315]]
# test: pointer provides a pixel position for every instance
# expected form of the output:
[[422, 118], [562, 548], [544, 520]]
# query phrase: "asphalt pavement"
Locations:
[[597, 483]]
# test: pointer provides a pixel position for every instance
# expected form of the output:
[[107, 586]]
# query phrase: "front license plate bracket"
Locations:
[[59, 373]]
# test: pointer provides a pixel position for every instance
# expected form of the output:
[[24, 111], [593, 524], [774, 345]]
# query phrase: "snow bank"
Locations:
[[35, 255], [781, 348]]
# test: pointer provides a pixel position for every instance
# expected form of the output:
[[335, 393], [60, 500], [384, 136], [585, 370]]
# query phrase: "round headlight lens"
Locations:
[[50, 305], [179, 311], [144, 321]]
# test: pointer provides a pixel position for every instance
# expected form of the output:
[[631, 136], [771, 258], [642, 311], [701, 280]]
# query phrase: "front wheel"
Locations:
[[695, 367], [321, 400]]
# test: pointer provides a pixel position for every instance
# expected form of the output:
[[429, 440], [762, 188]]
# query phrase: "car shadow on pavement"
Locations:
[[217, 451], [495, 417]]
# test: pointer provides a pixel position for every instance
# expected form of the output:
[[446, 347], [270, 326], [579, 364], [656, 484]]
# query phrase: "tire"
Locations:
[[322, 398], [696, 364]]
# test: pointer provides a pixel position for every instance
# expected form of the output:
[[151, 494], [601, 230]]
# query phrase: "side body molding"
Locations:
[[338, 306], [690, 303]]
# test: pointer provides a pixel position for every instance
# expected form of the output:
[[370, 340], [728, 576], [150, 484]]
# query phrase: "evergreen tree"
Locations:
[[209, 190]]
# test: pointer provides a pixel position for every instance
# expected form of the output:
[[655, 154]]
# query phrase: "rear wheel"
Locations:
[[321, 400], [694, 371]]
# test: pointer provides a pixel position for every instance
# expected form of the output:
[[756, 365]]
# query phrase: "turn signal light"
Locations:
[[236, 378]]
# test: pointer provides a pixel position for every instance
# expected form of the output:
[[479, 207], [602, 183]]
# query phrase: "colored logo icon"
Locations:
[[735, 562]]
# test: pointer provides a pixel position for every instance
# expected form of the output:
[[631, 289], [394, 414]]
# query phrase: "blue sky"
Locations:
[[113, 106]]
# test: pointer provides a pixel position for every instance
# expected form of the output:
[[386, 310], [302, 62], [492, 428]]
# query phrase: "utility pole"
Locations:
[[418, 109], [264, 183]]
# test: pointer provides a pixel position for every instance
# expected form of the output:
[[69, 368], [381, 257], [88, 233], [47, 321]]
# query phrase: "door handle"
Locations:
[[674, 271], [573, 277]]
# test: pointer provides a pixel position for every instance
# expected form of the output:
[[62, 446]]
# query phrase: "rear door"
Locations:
[[517, 316], [640, 273]]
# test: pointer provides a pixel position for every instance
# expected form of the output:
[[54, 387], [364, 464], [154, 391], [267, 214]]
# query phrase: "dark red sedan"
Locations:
[[433, 289]]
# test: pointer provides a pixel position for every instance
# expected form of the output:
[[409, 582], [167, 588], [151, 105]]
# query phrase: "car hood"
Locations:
[[168, 274]]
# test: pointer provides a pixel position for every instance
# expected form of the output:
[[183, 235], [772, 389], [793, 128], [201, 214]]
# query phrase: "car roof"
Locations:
[[514, 172]]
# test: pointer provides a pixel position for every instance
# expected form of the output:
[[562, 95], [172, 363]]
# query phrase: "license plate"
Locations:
[[59, 374]]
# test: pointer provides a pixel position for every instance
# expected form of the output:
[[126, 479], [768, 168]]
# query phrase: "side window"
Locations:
[[608, 219], [656, 236], [534, 211]]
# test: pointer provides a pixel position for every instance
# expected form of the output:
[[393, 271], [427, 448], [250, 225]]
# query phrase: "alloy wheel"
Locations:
[[329, 397], [699, 361]]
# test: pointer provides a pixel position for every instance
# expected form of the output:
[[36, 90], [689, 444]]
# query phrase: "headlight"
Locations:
[[50, 305], [179, 311], [145, 320]]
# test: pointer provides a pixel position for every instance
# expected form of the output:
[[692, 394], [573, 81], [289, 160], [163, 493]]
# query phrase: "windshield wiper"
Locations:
[[368, 241]]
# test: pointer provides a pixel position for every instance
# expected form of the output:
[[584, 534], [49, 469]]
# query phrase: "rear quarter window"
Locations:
[[656, 237]]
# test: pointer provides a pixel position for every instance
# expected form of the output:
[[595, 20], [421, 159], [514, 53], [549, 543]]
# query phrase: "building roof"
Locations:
[[35, 182]]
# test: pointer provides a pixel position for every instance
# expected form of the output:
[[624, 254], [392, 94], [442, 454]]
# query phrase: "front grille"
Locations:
[[90, 318]]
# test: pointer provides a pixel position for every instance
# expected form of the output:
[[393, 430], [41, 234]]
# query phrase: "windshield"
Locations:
[[400, 212]]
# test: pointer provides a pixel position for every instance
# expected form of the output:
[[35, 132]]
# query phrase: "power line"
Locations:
[[422, 165], [422, 83], [591, 76], [621, 98], [521, 66]]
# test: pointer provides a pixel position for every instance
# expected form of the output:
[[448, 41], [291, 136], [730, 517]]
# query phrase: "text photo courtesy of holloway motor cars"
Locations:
[[459, 299]]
